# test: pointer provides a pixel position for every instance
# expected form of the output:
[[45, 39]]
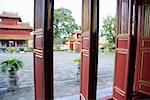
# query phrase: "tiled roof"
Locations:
[[15, 27], [15, 36], [9, 15], [18, 26]]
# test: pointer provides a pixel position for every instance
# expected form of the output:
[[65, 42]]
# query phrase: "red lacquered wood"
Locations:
[[15, 31], [89, 49], [71, 45], [43, 49], [39, 86], [125, 51], [142, 75], [106, 98]]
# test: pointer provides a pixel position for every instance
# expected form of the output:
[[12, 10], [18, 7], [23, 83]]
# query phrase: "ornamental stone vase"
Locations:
[[13, 79]]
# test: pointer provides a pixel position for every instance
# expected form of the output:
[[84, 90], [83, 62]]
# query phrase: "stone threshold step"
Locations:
[[100, 94]]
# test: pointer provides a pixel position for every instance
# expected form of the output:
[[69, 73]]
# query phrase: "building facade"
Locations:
[[74, 42], [14, 32]]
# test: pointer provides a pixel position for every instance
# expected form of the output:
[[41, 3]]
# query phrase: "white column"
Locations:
[[15, 43]]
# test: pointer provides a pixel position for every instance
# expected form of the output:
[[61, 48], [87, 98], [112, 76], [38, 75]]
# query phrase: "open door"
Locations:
[[43, 49], [142, 76], [125, 53], [89, 49]]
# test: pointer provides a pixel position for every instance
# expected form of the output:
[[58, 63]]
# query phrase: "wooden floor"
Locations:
[[140, 96]]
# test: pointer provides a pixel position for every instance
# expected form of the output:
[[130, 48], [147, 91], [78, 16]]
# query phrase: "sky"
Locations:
[[25, 8]]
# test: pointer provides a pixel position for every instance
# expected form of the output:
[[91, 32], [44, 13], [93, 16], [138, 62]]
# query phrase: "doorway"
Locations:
[[66, 48], [16, 50], [44, 52], [106, 54]]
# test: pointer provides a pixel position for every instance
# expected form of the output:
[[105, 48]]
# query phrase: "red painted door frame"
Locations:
[[43, 49], [125, 53], [89, 49], [142, 76]]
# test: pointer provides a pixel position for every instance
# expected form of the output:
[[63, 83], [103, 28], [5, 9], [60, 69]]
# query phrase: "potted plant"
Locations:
[[78, 61], [11, 66]]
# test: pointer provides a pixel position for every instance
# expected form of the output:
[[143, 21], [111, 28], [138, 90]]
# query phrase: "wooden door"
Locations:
[[142, 76], [125, 52], [43, 49], [71, 45], [89, 49]]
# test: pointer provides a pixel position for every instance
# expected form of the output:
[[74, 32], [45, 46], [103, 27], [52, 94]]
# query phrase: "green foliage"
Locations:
[[59, 41], [11, 50], [108, 29], [30, 49], [13, 64], [77, 60], [108, 47], [64, 23]]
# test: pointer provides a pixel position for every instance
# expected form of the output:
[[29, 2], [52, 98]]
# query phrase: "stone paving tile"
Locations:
[[65, 79], [20, 94], [66, 89]]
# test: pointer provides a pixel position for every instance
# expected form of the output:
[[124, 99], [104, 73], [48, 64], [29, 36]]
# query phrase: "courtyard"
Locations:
[[65, 79]]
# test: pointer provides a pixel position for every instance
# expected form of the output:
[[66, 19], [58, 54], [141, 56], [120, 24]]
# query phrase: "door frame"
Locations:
[[48, 49], [141, 50], [43, 49], [126, 91], [89, 49]]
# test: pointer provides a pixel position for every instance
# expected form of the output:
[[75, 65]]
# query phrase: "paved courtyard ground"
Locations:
[[65, 79]]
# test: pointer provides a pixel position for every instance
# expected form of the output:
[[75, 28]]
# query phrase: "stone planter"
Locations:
[[13, 79]]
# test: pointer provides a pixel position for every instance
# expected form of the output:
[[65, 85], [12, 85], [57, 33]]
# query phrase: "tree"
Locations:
[[64, 23], [108, 29]]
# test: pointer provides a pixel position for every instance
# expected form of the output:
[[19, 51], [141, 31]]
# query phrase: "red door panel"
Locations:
[[38, 50], [145, 65], [43, 49], [118, 94], [142, 76], [122, 42], [84, 75], [85, 49], [123, 75], [120, 71], [89, 49], [39, 86]]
